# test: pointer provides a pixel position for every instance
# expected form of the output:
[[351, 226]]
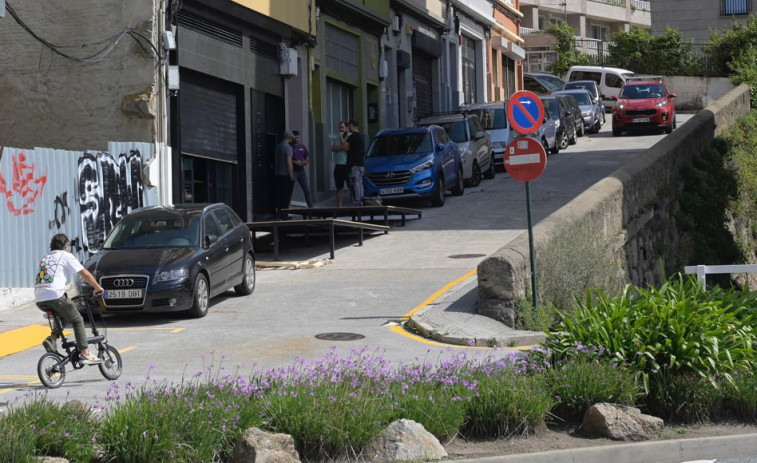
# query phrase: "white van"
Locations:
[[609, 80]]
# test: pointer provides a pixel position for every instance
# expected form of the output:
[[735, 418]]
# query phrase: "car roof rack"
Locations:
[[464, 112], [645, 78]]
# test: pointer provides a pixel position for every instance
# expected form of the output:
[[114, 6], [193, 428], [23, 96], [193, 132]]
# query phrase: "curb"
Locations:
[[668, 451]]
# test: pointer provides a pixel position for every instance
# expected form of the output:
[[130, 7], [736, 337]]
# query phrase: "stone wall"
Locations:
[[107, 94], [695, 93], [634, 207]]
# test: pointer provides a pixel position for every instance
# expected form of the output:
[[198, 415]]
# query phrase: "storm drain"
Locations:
[[466, 256], [339, 336]]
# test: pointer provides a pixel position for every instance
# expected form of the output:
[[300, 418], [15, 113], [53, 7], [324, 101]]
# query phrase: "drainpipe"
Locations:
[[163, 150]]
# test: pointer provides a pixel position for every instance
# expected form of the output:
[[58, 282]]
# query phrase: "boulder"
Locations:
[[258, 446], [404, 440], [51, 460], [619, 422]]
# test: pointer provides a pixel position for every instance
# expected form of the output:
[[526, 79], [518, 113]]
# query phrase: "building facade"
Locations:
[[693, 19]]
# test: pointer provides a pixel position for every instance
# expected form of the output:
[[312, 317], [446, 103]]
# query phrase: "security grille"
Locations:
[[209, 28], [342, 52]]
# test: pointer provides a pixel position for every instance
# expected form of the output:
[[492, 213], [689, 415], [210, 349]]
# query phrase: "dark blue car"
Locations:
[[413, 162]]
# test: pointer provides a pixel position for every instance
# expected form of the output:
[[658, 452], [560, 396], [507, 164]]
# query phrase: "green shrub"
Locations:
[[528, 318]]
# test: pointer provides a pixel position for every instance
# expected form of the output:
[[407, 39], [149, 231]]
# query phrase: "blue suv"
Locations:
[[413, 162]]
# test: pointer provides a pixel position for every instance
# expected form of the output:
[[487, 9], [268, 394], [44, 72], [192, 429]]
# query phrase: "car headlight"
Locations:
[[620, 106], [171, 275], [662, 104], [424, 166]]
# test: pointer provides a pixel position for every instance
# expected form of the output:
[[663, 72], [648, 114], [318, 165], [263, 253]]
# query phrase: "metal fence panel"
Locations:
[[82, 194]]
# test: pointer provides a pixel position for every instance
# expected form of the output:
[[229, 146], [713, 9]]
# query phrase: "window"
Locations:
[[587, 75], [211, 227], [613, 80], [600, 32], [224, 219], [469, 70], [734, 7]]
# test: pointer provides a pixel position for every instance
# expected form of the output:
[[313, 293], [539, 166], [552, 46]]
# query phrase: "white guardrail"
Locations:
[[703, 270]]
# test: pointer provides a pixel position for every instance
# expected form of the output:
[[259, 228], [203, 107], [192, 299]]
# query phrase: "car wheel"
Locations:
[[572, 138], [459, 188], [562, 140], [489, 174], [675, 124], [555, 149], [475, 178], [580, 130], [201, 298], [615, 132], [247, 286], [437, 197], [545, 145]]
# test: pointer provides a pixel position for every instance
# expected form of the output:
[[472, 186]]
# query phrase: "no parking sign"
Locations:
[[525, 112]]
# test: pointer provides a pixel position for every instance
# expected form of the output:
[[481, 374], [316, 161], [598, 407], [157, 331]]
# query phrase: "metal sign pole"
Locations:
[[531, 247]]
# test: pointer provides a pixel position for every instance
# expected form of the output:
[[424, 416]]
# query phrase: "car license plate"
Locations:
[[391, 191], [640, 119], [123, 294]]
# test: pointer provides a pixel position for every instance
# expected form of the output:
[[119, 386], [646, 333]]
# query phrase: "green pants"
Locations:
[[67, 310]]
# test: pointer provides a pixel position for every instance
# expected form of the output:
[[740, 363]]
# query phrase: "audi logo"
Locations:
[[389, 174], [123, 282]]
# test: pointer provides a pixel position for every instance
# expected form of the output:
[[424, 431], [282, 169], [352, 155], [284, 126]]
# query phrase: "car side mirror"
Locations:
[[210, 240], [440, 147], [671, 95]]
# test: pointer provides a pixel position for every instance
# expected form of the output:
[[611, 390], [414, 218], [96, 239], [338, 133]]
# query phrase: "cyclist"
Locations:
[[56, 269]]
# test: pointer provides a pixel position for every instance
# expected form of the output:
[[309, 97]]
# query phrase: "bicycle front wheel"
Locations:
[[110, 361], [50, 370]]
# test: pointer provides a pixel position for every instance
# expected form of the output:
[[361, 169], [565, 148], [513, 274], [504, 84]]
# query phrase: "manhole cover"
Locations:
[[466, 256], [339, 336]]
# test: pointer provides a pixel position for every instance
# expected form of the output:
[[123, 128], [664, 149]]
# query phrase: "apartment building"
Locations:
[[693, 19], [594, 21]]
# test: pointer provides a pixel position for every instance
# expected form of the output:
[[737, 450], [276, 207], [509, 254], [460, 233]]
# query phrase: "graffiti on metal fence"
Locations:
[[109, 187], [61, 210], [26, 185]]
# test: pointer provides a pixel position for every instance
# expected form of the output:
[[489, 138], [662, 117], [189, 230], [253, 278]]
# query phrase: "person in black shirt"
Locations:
[[355, 147]]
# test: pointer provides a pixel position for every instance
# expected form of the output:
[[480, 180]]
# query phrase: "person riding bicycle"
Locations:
[[56, 269]]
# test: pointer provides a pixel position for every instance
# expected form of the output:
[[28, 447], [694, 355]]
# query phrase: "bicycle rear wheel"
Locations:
[[111, 364], [50, 371]]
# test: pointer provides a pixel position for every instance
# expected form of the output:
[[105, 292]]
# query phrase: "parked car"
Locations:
[[173, 258], [592, 88], [548, 134], [493, 119], [542, 83], [590, 108], [644, 103], [575, 112], [610, 80], [413, 162], [562, 114], [475, 147]]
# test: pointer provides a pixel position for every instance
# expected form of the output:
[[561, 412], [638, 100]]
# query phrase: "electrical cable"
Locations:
[[98, 55]]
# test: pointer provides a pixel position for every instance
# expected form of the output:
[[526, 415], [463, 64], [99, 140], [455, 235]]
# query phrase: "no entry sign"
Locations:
[[525, 159], [525, 112]]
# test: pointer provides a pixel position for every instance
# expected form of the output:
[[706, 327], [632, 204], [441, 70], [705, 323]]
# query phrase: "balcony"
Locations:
[[612, 2], [641, 5], [526, 31]]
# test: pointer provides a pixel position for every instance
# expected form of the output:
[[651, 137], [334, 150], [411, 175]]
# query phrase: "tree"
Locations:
[[567, 53], [665, 54], [733, 53]]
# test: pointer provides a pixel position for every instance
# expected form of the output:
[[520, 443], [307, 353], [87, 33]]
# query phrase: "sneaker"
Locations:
[[88, 359], [49, 345]]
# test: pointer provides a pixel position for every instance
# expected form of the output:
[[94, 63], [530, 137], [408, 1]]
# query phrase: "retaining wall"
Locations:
[[634, 207]]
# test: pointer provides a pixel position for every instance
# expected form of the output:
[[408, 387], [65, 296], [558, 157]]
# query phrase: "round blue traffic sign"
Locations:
[[525, 112]]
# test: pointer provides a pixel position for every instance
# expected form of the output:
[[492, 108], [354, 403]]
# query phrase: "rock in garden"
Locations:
[[404, 440], [258, 446], [619, 422], [51, 460]]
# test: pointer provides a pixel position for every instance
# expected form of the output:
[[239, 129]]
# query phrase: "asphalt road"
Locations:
[[364, 291]]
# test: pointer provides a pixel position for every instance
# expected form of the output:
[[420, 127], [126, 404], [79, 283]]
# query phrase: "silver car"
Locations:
[[590, 108], [474, 144]]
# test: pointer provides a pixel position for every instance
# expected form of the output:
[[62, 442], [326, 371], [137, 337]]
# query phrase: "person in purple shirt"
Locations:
[[300, 157]]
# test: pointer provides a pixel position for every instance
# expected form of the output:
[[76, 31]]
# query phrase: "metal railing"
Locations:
[[703, 270], [611, 2], [526, 30], [641, 5]]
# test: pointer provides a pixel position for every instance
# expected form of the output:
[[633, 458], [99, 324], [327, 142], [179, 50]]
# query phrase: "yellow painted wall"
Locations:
[[295, 13]]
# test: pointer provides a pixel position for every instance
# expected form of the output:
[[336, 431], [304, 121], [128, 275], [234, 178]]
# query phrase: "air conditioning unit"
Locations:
[[287, 61]]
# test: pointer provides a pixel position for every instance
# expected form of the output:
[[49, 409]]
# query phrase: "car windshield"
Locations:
[[142, 232], [580, 85], [455, 130], [493, 118], [582, 98], [635, 92], [554, 83], [399, 144], [551, 107]]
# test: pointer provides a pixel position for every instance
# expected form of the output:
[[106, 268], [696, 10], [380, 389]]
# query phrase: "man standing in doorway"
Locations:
[[355, 153], [340, 163], [284, 171], [300, 157]]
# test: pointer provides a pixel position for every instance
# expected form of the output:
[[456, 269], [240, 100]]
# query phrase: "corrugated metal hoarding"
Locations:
[[82, 194]]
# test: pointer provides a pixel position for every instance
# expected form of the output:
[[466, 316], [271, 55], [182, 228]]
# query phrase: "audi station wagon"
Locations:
[[173, 258]]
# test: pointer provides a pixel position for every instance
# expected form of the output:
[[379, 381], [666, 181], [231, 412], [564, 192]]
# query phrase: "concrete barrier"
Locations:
[[634, 207]]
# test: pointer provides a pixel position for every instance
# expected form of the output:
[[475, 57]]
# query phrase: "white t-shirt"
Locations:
[[56, 270]]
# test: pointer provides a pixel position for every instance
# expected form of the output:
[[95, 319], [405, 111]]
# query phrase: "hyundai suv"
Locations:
[[475, 146], [413, 162], [644, 102]]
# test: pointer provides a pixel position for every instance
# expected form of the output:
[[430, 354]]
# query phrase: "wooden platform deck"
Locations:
[[357, 213], [330, 225]]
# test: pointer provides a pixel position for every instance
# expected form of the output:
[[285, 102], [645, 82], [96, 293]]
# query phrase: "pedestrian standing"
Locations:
[[284, 174], [355, 154], [340, 163], [300, 159]]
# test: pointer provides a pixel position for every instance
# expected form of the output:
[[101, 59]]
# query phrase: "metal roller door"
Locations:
[[423, 83]]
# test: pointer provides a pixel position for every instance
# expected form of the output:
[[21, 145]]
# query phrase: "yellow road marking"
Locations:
[[23, 338], [436, 295], [126, 349], [148, 328], [16, 377], [177, 330]]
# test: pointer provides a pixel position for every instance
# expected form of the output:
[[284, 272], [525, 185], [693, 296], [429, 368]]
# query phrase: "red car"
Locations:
[[644, 103]]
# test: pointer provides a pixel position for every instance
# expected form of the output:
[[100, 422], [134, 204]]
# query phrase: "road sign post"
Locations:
[[525, 112], [525, 160]]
